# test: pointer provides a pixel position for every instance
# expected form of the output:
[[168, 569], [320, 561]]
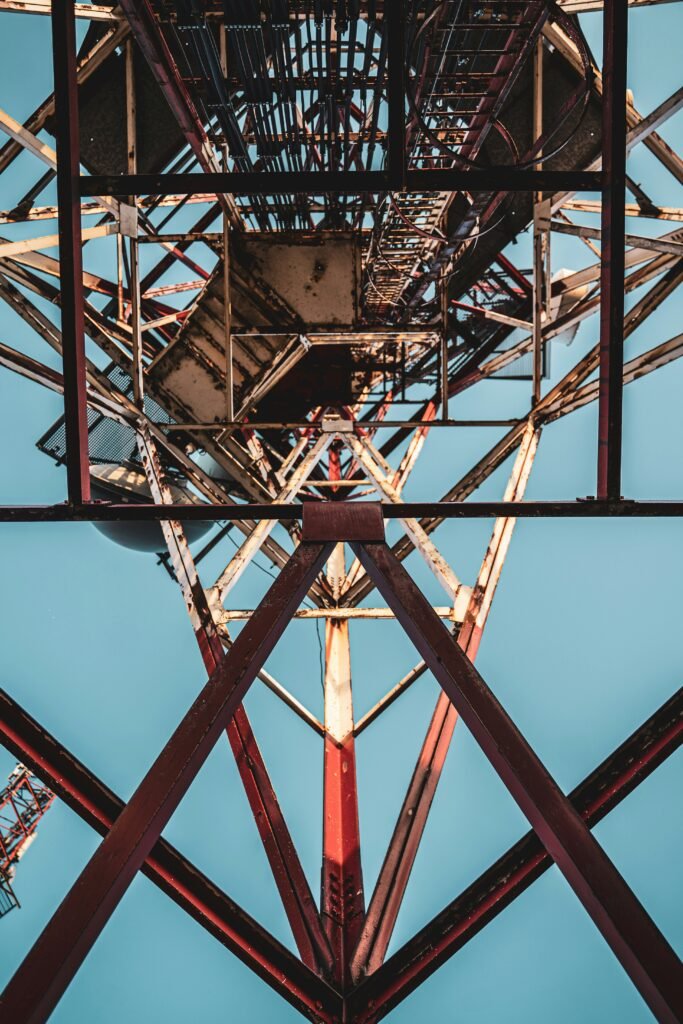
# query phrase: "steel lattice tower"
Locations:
[[361, 168]]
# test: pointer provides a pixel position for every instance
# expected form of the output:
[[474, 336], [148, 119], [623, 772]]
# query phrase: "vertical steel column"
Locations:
[[131, 113], [227, 325], [342, 900], [70, 255], [394, 15], [540, 235], [46, 972], [443, 385], [137, 368], [615, 34], [334, 471], [133, 244]]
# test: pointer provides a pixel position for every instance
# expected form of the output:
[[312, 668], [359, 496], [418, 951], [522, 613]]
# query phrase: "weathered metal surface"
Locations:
[[344, 522], [287, 871], [394, 875], [587, 508], [71, 266], [610, 399]]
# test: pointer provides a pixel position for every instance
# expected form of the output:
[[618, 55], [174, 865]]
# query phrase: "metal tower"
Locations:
[[23, 802], [361, 168]]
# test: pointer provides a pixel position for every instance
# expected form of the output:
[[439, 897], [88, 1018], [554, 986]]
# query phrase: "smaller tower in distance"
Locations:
[[23, 802]]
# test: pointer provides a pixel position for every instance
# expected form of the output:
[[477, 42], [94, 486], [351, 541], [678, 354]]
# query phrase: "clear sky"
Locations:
[[582, 645]]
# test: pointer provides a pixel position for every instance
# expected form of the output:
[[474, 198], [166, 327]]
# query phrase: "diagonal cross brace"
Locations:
[[398, 862], [46, 972], [367, 457], [633, 937], [167, 868], [597, 795], [295, 892], [635, 940]]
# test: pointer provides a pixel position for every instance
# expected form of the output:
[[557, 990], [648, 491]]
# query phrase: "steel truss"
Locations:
[[132, 838], [317, 168]]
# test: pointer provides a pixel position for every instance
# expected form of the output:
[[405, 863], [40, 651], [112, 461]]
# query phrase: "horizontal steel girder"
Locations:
[[104, 512], [495, 179]]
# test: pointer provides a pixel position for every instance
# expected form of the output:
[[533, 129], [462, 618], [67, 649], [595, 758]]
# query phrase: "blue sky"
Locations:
[[582, 645]]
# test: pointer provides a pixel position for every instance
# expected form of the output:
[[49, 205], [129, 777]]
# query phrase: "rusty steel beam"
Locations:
[[145, 28], [208, 905], [633, 937], [49, 967], [70, 256], [396, 95], [613, 226], [494, 890], [498, 179], [580, 508]]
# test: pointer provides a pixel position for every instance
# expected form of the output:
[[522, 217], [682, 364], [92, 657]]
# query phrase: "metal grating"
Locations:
[[108, 440]]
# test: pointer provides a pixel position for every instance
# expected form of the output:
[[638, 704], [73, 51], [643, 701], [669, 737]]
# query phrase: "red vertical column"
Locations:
[[342, 900], [70, 257], [615, 33]]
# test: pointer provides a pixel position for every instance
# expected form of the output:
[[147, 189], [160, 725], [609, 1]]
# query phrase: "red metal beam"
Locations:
[[48, 969], [70, 255], [635, 940], [581, 508], [601, 791], [295, 892], [342, 899], [615, 32], [484, 179], [148, 36], [208, 905], [395, 872]]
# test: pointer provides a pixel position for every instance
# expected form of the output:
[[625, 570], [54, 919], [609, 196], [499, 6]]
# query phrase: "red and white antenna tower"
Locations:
[[23, 802]]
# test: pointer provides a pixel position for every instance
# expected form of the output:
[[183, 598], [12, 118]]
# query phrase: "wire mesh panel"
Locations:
[[109, 441]]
